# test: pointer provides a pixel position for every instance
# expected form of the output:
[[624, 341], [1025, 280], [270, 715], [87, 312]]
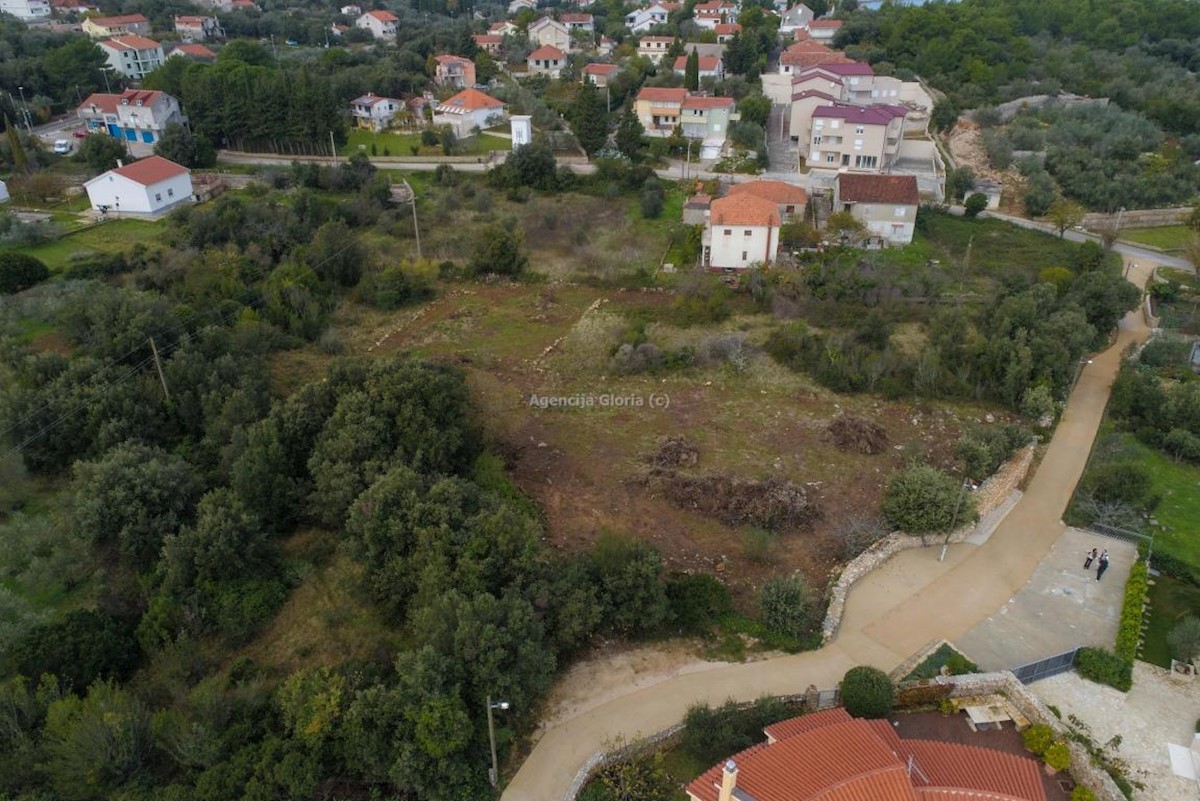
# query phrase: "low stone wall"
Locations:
[[991, 494], [1085, 773], [1137, 218]]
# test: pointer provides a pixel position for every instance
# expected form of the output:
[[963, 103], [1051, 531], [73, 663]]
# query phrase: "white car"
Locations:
[[62, 146]]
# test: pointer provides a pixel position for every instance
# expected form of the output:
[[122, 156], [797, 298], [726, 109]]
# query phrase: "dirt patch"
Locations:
[[858, 435], [966, 146], [675, 452], [773, 504]]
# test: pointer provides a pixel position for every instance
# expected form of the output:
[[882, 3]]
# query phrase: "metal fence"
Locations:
[[1045, 668]]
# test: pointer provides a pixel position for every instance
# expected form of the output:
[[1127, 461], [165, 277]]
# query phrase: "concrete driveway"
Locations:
[[1061, 606]]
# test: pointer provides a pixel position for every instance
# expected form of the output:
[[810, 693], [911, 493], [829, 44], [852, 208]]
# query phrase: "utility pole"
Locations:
[[687, 163], [412, 195], [494, 771], [158, 365], [332, 147], [962, 491], [25, 110]]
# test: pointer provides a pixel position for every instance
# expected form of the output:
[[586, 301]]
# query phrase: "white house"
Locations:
[[133, 56], [823, 30], [149, 186], [547, 60], [137, 117], [710, 67], [742, 230], [505, 28], [599, 74], [381, 24], [710, 15], [579, 23], [104, 27], [27, 10], [643, 19], [655, 47], [468, 110], [885, 204], [351, 11], [517, 5], [549, 31], [373, 112], [198, 29]]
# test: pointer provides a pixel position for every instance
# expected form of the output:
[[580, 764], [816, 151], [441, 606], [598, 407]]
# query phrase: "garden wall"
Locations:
[[990, 496], [1138, 218]]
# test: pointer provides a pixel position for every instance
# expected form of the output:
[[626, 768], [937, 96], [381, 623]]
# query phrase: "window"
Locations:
[[746, 232], [158, 197], [831, 157], [833, 123], [870, 162], [170, 193], [743, 255], [728, 232], [816, 140], [858, 144], [899, 211], [858, 129]]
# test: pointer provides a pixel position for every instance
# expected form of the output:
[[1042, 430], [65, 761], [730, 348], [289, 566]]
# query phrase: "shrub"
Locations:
[[867, 692], [1082, 793], [19, 272], [976, 203], [924, 500], [697, 602], [959, 665], [786, 605], [1058, 756], [1104, 667], [760, 545], [1184, 639], [1038, 739], [1130, 627], [712, 734], [1182, 444], [924, 695], [1120, 482]]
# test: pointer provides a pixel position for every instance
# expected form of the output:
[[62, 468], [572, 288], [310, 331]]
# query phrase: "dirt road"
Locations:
[[891, 613]]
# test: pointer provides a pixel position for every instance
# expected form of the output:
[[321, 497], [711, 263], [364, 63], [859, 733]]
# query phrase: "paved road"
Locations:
[[889, 615]]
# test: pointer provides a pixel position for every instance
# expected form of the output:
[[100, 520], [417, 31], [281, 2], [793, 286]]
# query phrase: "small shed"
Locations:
[[990, 189]]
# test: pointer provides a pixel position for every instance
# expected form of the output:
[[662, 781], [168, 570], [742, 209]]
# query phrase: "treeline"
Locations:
[[1158, 399], [55, 71], [1143, 55]]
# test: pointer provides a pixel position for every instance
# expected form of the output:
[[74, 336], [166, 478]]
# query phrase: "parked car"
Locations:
[[62, 146], [79, 134]]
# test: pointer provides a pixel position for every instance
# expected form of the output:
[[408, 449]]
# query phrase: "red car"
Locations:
[[79, 134]]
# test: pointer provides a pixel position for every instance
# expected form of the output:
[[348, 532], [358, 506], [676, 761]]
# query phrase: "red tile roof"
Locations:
[[103, 102], [150, 170], [897, 189], [129, 42], [724, 28], [487, 38], [698, 102], [126, 19], [849, 67], [135, 96], [452, 60], [825, 23], [663, 94], [194, 50], [469, 100], [547, 53], [383, 16], [828, 756], [576, 18], [600, 69], [744, 209], [707, 63], [793, 726]]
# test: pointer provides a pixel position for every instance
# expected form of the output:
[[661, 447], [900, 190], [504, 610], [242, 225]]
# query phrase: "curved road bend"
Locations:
[[890, 613]]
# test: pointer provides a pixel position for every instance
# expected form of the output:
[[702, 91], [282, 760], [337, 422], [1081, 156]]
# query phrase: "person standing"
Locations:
[[1091, 557], [1102, 565]]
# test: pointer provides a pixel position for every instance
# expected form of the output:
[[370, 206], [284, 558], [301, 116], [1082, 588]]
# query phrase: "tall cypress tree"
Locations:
[[691, 71], [589, 119]]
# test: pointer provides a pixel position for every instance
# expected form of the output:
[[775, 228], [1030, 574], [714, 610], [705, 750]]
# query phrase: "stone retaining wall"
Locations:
[[991, 494], [1137, 218], [1084, 772]]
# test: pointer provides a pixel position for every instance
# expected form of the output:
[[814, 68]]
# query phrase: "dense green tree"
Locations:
[[180, 145], [80, 63], [867, 692], [959, 181], [85, 646], [1104, 297], [19, 271], [755, 108], [629, 135], [16, 149], [627, 573], [1064, 214], [691, 71], [132, 498], [944, 117], [100, 152], [226, 542], [924, 500], [588, 118], [974, 204], [499, 250], [787, 605], [741, 56], [336, 254]]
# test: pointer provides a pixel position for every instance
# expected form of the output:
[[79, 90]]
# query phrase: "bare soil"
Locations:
[[858, 435], [966, 146]]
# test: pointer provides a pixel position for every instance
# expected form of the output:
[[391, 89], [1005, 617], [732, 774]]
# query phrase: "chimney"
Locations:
[[728, 781], [120, 163]]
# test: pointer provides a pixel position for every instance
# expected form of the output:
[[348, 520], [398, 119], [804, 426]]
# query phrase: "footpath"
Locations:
[[891, 613]]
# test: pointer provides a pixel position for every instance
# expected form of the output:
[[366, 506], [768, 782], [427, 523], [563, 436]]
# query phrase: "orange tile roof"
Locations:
[[469, 100], [195, 50], [487, 38], [383, 16], [953, 766], [580, 18], [825, 23], [896, 189], [707, 63], [600, 69], [698, 102], [130, 42], [150, 170], [744, 209], [126, 19], [798, 725], [662, 94], [452, 60], [727, 27], [103, 102], [547, 53]]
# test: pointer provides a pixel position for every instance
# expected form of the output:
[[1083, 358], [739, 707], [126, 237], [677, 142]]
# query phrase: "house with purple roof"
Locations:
[[857, 138]]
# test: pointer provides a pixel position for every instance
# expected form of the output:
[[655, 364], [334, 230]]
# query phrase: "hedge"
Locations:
[[1129, 631], [1103, 667]]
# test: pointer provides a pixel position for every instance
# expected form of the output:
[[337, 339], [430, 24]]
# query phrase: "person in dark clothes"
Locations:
[[1091, 557], [1102, 565]]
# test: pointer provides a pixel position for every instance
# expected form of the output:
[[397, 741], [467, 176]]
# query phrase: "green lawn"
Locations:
[[1179, 511], [1167, 237], [1170, 601], [397, 144], [113, 236]]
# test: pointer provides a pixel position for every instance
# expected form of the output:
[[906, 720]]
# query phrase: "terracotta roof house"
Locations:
[[742, 231], [137, 117], [726, 31], [373, 112], [468, 110], [149, 186], [578, 22], [709, 15], [802, 55], [654, 47], [839, 758], [196, 52], [823, 30], [599, 74], [454, 71], [885, 204], [490, 43], [658, 109], [790, 199], [198, 29], [502, 28], [707, 119], [103, 27], [546, 60], [710, 66], [132, 56], [381, 24]]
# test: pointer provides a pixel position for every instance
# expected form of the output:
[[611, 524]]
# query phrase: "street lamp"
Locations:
[[963, 487], [25, 110], [494, 771], [1120, 214], [1078, 372]]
